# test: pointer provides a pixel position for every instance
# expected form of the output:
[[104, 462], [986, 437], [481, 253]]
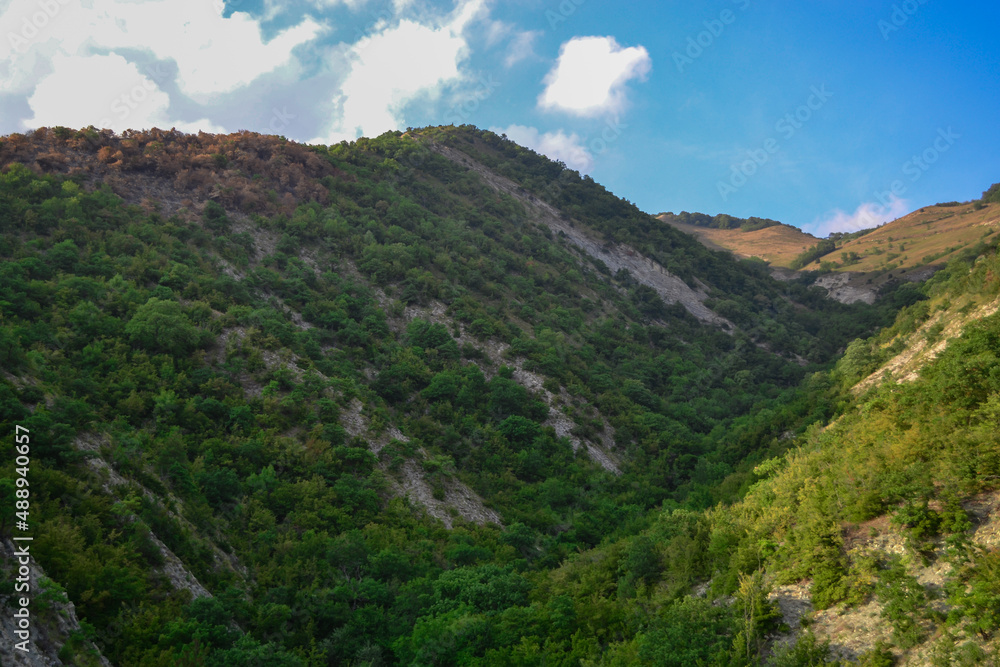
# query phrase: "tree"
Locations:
[[757, 615], [7, 500], [690, 631], [992, 194], [161, 326]]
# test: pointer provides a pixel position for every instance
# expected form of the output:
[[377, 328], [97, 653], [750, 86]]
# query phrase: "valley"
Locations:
[[431, 398]]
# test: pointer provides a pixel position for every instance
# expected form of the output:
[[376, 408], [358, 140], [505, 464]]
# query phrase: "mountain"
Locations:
[[777, 244], [432, 398], [930, 236], [858, 265]]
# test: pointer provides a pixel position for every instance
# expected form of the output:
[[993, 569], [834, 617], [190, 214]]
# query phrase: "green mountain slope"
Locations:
[[872, 541], [360, 404]]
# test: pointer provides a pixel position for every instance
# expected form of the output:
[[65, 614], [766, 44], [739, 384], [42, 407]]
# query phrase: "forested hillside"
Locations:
[[433, 399], [720, 221]]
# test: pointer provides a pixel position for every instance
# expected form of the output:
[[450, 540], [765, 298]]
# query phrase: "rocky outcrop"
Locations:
[[50, 627], [843, 288], [919, 352], [458, 501], [616, 257], [173, 567]]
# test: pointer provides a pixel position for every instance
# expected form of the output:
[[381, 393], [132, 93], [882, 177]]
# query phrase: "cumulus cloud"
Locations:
[[590, 75], [866, 216], [107, 91], [213, 54], [184, 63], [568, 148], [49, 43], [396, 66]]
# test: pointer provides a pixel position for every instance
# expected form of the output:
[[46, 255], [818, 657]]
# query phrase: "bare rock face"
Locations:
[[906, 365], [50, 625], [173, 567], [458, 500], [841, 287], [669, 287]]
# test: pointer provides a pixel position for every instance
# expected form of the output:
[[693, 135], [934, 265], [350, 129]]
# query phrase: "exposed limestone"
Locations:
[[458, 498], [533, 382], [783, 274], [353, 421], [855, 630], [906, 365], [173, 568], [669, 287], [563, 427], [180, 577], [50, 629], [794, 603], [839, 286], [985, 513]]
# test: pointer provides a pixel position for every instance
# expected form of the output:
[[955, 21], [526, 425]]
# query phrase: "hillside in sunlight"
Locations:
[[929, 236], [431, 398], [778, 244], [859, 266]]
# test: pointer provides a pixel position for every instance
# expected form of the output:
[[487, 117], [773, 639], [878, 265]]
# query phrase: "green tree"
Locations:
[[162, 326], [690, 631]]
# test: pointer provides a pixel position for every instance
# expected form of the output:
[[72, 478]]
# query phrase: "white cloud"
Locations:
[[496, 31], [326, 4], [568, 148], [186, 62], [866, 216], [590, 76], [106, 91], [522, 46], [397, 66], [211, 55]]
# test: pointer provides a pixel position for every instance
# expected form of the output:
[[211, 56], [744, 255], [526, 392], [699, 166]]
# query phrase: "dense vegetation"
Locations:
[[239, 350], [992, 194], [722, 221], [824, 247]]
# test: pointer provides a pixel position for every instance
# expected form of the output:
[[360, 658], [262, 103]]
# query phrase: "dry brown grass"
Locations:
[[932, 235], [778, 245]]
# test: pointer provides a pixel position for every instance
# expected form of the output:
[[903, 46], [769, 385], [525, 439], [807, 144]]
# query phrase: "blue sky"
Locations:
[[826, 115]]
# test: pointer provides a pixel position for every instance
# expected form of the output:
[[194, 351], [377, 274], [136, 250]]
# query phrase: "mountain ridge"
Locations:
[[779, 243], [416, 399]]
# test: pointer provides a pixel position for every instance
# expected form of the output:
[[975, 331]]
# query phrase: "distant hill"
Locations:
[[778, 244], [720, 221], [930, 236]]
